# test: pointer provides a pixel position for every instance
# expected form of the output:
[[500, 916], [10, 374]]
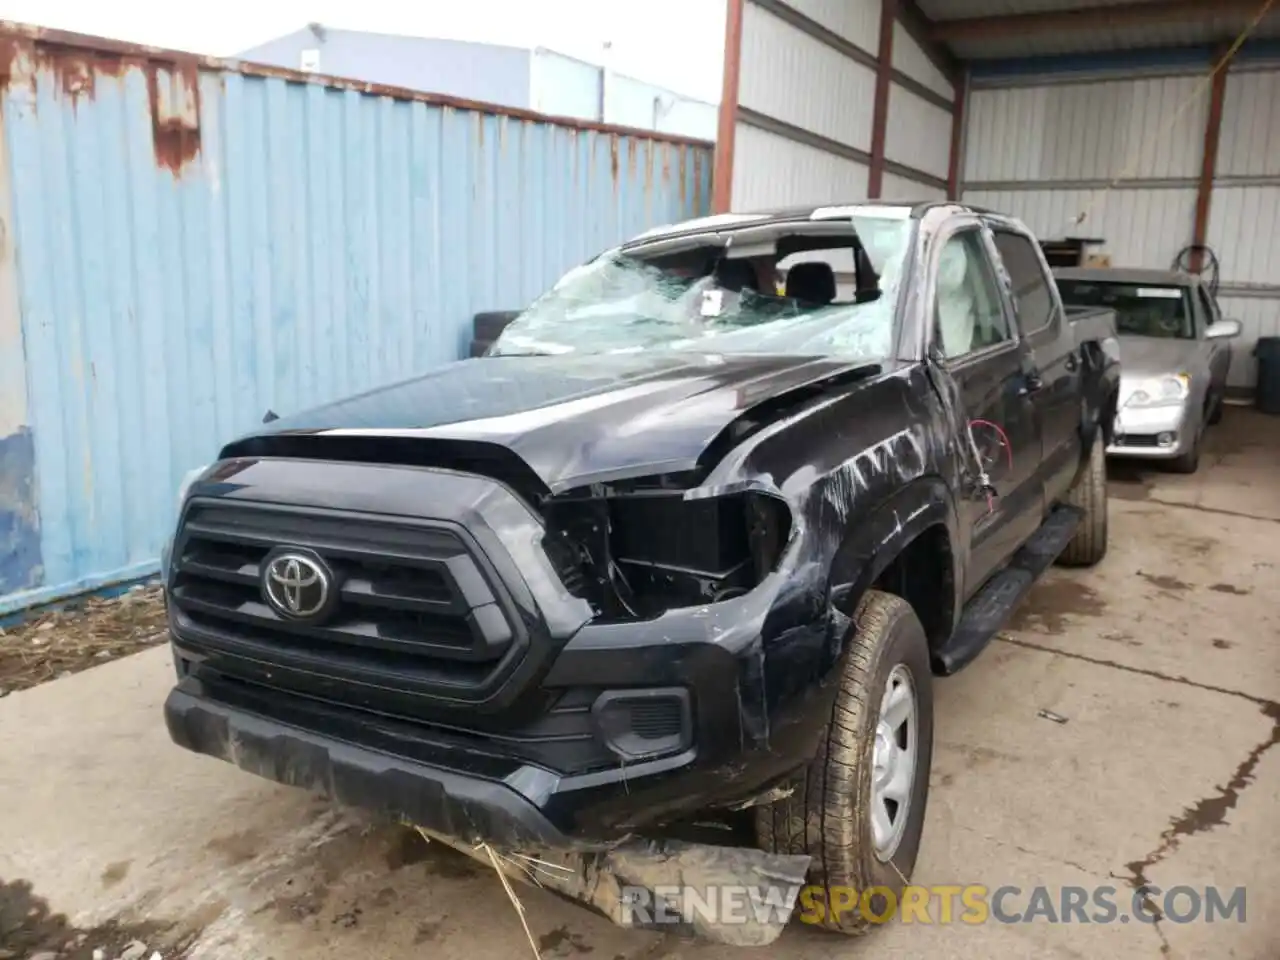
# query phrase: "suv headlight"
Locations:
[[1164, 391], [188, 481], [184, 488]]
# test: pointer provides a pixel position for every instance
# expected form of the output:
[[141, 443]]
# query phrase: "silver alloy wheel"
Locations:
[[893, 774]]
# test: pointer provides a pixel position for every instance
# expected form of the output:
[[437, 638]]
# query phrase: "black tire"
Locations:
[[1089, 493], [1188, 462], [1216, 407], [478, 347], [828, 814], [486, 326]]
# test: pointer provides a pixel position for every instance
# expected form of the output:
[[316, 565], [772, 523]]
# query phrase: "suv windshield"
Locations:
[[810, 288], [1141, 311]]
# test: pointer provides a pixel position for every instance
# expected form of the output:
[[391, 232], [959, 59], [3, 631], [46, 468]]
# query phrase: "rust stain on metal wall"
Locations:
[[648, 168], [698, 160], [684, 175], [613, 161], [73, 73], [173, 91]]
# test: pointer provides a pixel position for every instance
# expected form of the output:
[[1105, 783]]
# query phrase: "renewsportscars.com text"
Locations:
[[937, 904]]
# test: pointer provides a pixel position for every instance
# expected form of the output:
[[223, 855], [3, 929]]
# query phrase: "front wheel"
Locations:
[[858, 811], [1188, 462], [1216, 407]]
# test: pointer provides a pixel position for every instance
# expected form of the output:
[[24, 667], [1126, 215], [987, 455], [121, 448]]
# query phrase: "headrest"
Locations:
[[812, 281], [736, 275]]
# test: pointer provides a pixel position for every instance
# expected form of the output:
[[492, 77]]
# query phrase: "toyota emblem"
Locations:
[[297, 586]]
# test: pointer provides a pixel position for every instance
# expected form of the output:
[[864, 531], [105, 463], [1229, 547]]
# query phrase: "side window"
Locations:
[[968, 314], [1031, 291]]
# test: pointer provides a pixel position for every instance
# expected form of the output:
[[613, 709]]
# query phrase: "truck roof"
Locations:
[[906, 209], [1168, 278]]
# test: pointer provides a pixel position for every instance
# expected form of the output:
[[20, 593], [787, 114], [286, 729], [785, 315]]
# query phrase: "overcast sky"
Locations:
[[676, 43]]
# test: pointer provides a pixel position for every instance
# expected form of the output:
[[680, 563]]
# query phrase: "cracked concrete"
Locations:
[[1166, 772]]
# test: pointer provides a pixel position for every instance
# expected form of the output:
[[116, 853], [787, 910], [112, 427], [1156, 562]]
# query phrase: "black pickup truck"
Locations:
[[693, 537]]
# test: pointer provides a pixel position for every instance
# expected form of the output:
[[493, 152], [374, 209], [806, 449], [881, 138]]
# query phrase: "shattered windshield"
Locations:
[[808, 289]]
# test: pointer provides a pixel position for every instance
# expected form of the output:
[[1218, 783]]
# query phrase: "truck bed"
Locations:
[[1092, 323]]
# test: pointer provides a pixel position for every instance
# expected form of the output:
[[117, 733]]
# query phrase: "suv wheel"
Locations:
[[1089, 493], [858, 811], [1216, 406], [1188, 462]]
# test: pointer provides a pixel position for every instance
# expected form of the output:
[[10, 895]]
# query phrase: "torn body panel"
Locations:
[[630, 884]]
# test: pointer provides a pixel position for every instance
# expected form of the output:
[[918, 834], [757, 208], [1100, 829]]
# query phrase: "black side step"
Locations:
[[991, 607]]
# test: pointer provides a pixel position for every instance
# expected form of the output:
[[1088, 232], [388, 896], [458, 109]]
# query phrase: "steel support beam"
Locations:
[[880, 107], [957, 137], [1209, 159], [722, 178], [920, 28]]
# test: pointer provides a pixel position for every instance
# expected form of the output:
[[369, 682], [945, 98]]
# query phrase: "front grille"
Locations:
[[417, 612], [1137, 440]]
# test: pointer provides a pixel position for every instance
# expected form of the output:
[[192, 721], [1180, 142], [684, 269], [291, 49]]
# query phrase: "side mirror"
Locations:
[[1223, 330]]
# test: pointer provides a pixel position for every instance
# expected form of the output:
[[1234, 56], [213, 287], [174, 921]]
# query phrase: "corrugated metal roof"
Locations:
[[1103, 39], [1213, 27], [966, 9]]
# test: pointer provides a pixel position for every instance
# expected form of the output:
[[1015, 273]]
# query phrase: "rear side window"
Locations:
[[1031, 291]]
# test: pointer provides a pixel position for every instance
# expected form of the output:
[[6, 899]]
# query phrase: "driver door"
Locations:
[[976, 339]]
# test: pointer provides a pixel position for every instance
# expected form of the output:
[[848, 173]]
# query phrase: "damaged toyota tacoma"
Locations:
[[689, 542]]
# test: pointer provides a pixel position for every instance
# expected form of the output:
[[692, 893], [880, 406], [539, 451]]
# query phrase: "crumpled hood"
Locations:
[[571, 419]]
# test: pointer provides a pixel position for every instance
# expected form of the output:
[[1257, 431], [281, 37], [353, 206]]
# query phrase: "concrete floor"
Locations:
[[1164, 660]]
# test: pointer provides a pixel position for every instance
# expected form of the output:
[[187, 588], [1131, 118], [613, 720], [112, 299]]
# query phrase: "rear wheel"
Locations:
[[1089, 494], [858, 811]]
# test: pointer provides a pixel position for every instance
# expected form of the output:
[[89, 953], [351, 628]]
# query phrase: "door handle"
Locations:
[[1031, 382], [1073, 362]]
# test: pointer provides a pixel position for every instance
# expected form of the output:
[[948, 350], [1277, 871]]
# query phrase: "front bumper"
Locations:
[[507, 744], [624, 881], [1153, 433], [471, 808], [478, 788]]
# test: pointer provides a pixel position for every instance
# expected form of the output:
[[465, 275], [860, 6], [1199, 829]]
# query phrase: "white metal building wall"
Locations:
[[1244, 211], [804, 104], [1053, 151], [1127, 154], [918, 132], [806, 101]]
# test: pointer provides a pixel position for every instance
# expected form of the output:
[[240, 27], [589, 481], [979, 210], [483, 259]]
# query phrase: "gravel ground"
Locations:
[[64, 641]]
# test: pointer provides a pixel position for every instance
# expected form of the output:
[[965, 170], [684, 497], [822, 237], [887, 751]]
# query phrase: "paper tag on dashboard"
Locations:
[[712, 303]]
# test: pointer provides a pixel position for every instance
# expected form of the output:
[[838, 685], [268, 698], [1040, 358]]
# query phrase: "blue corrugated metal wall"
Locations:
[[187, 244]]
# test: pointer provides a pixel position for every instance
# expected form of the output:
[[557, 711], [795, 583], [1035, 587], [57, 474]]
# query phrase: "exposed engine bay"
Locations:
[[636, 553]]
